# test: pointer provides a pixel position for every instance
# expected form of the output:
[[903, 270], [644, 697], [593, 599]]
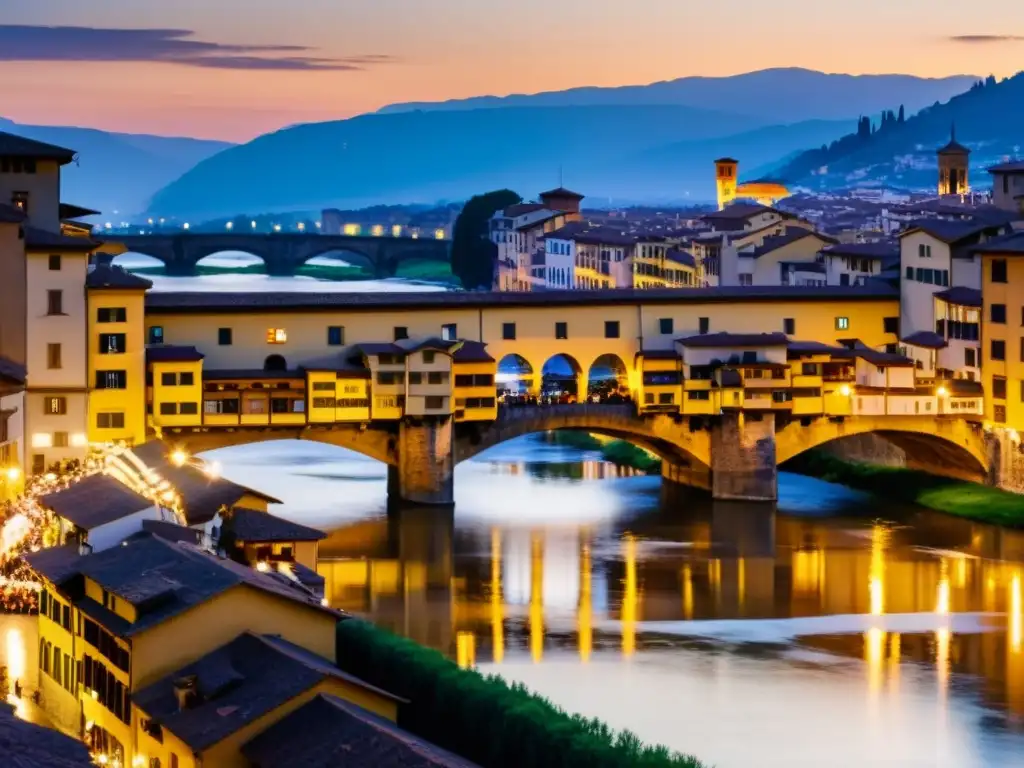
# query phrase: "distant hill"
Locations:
[[989, 119], [772, 95], [427, 156], [118, 171]]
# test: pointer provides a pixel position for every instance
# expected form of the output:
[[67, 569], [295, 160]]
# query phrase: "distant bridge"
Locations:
[[282, 253]]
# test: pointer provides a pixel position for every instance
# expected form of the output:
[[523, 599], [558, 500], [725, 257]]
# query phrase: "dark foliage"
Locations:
[[473, 254], [484, 719]]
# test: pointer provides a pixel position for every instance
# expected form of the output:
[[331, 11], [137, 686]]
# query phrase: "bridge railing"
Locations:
[[577, 410]]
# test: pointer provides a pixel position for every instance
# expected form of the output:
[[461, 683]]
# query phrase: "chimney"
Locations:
[[186, 691]]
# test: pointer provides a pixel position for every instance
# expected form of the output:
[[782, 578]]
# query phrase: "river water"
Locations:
[[830, 631]]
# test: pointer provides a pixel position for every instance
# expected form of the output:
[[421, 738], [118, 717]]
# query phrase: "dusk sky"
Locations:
[[233, 69]]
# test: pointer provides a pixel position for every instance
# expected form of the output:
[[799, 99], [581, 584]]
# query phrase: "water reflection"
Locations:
[[896, 634]]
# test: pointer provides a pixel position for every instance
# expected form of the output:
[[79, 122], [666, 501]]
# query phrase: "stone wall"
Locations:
[[426, 462], [1006, 456], [866, 449], [743, 465]]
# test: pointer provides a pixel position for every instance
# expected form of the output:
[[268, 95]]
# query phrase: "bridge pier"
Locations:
[[743, 461], [426, 463]]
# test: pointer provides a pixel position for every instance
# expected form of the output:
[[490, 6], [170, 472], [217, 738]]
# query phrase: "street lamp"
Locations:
[[186, 225], [230, 224]]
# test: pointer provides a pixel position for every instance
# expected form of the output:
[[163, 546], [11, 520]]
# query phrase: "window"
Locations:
[[999, 413], [168, 379], [910, 273], [186, 379], [970, 359], [111, 315], [433, 403], [55, 302], [55, 406], [277, 336], [401, 332], [997, 350], [188, 409], [111, 380], [60, 439], [789, 326], [449, 332], [53, 356], [224, 337], [703, 325], [428, 357], [842, 323], [924, 251], [156, 334], [437, 377], [110, 420], [698, 394], [112, 344], [891, 325], [611, 329], [54, 262], [1022, 391], [998, 270], [997, 313], [415, 377], [666, 326], [168, 409], [561, 330], [508, 331], [335, 336], [998, 388]]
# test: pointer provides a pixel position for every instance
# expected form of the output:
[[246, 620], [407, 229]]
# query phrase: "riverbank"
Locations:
[[618, 452], [432, 271], [968, 500]]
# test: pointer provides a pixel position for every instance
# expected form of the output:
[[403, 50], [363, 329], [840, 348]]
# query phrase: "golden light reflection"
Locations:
[[536, 597], [687, 592], [586, 607], [808, 567], [497, 603], [876, 584], [17, 658], [942, 594], [741, 582], [1016, 620], [629, 599], [465, 649], [874, 655], [942, 640], [895, 656]]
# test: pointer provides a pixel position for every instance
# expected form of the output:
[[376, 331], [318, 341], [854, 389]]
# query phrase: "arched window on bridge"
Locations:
[[560, 378], [515, 375], [275, 363], [608, 379]]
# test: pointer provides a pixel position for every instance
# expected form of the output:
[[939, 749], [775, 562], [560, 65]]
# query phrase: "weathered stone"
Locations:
[[426, 461], [743, 465]]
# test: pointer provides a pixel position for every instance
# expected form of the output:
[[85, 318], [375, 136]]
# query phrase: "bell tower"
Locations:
[[954, 159], [725, 180]]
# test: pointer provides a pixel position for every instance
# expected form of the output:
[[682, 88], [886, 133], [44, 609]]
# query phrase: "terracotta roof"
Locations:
[[106, 276], [327, 732], [680, 257], [94, 501], [169, 353], [951, 232], [12, 145], [774, 242], [1008, 244], [237, 684], [255, 525], [158, 303], [27, 745], [741, 211], [735, 340], [961, 295]]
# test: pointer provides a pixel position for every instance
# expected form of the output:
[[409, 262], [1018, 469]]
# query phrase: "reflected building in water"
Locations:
[[480, 594]]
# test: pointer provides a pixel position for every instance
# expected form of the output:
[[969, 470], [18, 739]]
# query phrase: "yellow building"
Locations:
[[1002, 338], [118, 621], [116, 348], [729, 189]]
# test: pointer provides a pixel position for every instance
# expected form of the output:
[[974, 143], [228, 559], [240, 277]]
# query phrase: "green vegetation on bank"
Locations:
[[963, 499], [484, 719], [433, 271], [618, 452]]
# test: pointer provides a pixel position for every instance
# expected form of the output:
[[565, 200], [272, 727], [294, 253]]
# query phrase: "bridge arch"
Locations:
[[223, 258], [563, 373], [607, 376], [951, 448], [275, 363], [516, 374]]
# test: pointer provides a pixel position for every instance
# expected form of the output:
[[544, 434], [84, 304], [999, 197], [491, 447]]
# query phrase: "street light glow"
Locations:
[[179, 457]]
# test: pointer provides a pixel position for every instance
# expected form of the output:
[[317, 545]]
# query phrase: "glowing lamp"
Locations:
[[942, 391], [13, 473], [845, 390], [212, 469], [179, 457], [324, 602], [262, 566]]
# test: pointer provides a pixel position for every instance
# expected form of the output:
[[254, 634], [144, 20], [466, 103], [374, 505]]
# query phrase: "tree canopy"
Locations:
[[473, 254]]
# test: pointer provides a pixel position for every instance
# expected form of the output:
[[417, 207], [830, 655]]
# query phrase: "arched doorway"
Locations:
[[608, 380], [514, 380], [560, 379], [275, 363]]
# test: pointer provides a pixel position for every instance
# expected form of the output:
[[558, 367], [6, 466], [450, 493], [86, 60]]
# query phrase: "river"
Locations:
[[833, 630]]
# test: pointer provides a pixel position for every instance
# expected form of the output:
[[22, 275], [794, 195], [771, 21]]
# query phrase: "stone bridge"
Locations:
[[282, 253], [733, 455]]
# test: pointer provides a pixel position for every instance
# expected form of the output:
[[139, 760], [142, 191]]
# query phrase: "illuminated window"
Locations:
[[377, 230], [110, 420], [56, 406], [439, 234], [20, 201], [842, 323], [276, 336]]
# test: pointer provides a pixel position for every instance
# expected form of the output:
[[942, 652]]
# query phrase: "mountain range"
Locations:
[[652, 143], [988, 119], [117, 172]]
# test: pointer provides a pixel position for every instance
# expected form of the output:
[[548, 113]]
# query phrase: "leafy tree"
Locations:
[[473, 254]]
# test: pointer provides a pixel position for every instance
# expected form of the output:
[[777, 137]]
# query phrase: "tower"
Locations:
[[725, 180], [954, 159]]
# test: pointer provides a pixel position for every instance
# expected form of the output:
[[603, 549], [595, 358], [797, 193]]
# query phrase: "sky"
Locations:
[[233, 69]]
